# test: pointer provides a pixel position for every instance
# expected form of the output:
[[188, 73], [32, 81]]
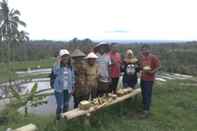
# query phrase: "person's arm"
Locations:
[[57, 66], [123, 67], [97, 72], [73, 80], [157, 65], [138, 69], [109, 68]]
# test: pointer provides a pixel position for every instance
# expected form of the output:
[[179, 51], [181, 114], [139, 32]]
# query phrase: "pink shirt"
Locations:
[[116, 62]]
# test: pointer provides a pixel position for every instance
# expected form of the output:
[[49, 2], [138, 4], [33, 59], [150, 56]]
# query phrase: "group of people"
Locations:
[[86, 77]]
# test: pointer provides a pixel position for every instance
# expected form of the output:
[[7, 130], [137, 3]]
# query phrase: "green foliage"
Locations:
[[33, 98], [175, 57]]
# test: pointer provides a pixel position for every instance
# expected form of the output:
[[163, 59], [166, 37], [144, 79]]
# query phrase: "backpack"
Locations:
[[52, 77]]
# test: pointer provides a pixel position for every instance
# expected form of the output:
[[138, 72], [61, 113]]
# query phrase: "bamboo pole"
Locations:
[[29, 127], [78, 112]]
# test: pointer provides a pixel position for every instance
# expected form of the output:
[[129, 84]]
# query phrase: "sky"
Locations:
[[109, 19]]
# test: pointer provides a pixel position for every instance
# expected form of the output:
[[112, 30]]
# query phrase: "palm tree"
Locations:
[[9, 33], [9, 22]]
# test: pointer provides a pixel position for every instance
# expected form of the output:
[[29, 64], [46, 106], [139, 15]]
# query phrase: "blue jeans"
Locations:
[[146, 87], [62, 99]]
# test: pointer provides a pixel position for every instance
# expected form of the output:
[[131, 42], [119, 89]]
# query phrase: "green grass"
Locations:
[[174, 108], [23, 66]]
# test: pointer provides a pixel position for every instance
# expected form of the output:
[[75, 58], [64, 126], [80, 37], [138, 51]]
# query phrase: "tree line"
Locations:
[[175, 57]]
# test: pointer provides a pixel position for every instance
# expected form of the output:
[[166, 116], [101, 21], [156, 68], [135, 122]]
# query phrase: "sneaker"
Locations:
[[145, 114], [57, 116]]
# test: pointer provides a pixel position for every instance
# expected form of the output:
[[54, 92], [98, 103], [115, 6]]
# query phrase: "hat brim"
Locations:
[[102, 44], [91, 57]]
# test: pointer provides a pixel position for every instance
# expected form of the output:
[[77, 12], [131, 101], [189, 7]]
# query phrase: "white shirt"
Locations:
[[103, 62], [65, 79]]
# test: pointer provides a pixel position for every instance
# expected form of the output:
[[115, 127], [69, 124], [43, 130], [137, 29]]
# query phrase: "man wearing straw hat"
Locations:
[[81, 91], [104, 64], [92, 74]]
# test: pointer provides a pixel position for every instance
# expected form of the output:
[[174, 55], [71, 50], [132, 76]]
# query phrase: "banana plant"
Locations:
[[31, 99]]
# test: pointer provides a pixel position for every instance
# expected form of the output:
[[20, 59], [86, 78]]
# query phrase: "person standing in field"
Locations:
[[115, 67], [149, 64], [130, 69], [104, 64], [81, 91], [92, 74], [63, 82]]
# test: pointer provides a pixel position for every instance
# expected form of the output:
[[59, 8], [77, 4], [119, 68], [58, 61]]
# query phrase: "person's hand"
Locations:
[[72, 92], [110, 79], [151, 72], [99, 76], [58, 59]]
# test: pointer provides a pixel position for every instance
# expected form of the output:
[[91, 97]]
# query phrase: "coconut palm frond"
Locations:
[[14, 12]]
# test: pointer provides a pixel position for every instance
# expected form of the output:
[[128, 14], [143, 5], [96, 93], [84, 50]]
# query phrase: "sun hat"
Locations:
[[63, 52], [129, 51], [91, 55], [102, 43], [78, 53]]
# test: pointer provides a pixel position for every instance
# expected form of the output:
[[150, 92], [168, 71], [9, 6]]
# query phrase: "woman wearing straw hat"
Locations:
[[130, 68], [81, 91], [92, 74]]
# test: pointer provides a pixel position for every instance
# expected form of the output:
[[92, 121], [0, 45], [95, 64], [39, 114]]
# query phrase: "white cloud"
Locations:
[[142, 19]]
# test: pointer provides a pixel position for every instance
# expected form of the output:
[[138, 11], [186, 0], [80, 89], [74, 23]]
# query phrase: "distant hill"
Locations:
[[147, 41]]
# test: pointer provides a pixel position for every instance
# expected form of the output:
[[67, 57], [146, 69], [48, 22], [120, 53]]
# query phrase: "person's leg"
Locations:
[[85, 97], [114, 84], [76, 101], [143, 94], [93, 92], [131, 84], [58, 97], [102, 89], [99, 90], [106, 88], [66, 100], [110, 89], [149, 94], [124, 81]]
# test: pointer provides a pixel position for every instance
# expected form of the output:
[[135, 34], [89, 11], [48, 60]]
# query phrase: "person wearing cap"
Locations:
[[115, 68], [63, 82], [130, 69], [92, 74], [149, 64], [81, 91], [104, 64]]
